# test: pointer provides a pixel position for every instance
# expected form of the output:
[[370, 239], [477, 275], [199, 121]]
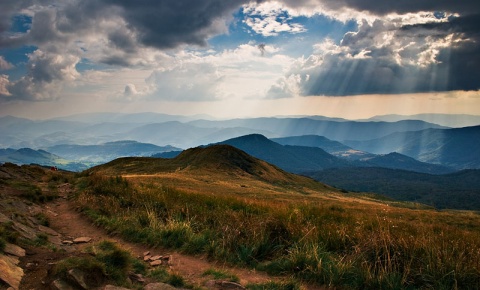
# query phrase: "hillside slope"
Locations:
[[217, 162]]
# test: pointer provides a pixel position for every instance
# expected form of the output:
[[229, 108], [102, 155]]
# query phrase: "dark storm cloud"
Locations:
[[400, 7], [381, 58], [170, 23], [462, 60]]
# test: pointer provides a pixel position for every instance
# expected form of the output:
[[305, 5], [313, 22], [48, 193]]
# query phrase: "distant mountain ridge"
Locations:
[[457, 147], [333, 147], [41, 157], [300, 159], [183, 132], [449, 120], [294, 159], [338, 131], [101, 153]]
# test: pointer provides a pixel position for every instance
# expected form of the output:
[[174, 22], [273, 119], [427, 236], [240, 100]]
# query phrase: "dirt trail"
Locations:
[[70, 223]]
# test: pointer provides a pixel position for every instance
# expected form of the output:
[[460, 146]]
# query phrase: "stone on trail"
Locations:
[[154, 258], [48, 230], [82, 240], [156, 263], [111, 287], [159, 286], [61, 284], [10, 273], [14, 250], [79, 277], [147, 258]]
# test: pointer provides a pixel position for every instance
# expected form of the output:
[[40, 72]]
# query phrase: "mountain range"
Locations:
[[457, 147], [41, 157], [101, 153], [448, 120], [404, 159], [183, 132]]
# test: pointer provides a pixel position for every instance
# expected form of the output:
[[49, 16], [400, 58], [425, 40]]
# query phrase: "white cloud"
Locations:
[[270, 19], [241, 73], [4, 82]]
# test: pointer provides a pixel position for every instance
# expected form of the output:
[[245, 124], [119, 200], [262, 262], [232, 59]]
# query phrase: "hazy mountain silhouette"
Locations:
[[96, 154], [290, 158], [333, 147], [457, 147]]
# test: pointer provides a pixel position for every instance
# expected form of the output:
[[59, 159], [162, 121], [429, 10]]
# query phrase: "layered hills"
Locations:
[[457, 147]]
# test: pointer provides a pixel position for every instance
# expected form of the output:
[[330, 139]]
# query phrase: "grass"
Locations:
[[220, 274], [328, 239], [292, 285]]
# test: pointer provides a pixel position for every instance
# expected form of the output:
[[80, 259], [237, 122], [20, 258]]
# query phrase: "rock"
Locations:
[[48, 230], [136, 277], [111, 287], [154, 258], [222, 284], [56, 240], [147, 258], [10, 273], [146, 253], [67, 242], [156, 263], [25, 231], [231, 285], [4, 218], [158, 286], [61, 284], [31, 266], [82, 240], [14, 250], [78, 276]]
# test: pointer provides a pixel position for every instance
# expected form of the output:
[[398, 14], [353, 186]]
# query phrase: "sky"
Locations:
[[339, 58]]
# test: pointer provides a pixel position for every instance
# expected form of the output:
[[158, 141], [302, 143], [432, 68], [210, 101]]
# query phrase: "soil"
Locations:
[[70, 223]]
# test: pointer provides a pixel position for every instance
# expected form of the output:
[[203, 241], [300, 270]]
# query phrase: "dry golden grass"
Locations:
[[290, 226]]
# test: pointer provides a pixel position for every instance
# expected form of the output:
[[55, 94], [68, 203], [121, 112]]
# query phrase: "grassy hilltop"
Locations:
[[231, 207]]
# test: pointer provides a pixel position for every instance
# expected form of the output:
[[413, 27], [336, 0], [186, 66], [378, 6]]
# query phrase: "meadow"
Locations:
[[325, 237]]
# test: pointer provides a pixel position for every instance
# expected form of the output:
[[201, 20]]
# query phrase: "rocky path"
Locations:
[[71, 224]]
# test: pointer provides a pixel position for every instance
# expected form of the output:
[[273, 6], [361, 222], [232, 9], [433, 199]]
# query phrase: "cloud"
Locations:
[[3, 86], [240, 73], [170, 23], [47, 75], [405, 46], [390, 7], [388, 57], [270, 19], [5, 65]]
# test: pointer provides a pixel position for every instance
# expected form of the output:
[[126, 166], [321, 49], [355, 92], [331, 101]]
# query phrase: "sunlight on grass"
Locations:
[[337, 241]]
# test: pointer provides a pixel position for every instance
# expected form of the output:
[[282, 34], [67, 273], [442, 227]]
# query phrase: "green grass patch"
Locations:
[[220, 274]]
